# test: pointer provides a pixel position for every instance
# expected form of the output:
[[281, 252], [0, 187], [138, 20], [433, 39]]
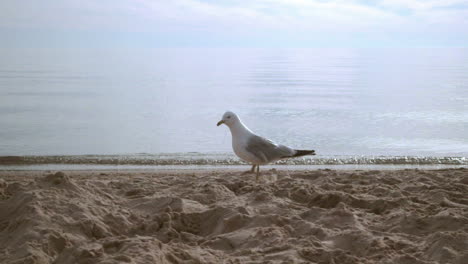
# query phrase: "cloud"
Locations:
[[245, 18], [424, 4], [307, 15]]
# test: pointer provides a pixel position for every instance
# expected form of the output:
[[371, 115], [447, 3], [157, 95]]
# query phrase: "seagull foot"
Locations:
[[252, 170]]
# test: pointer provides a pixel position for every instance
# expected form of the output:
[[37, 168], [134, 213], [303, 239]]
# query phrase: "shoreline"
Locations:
[[226, 159], [210, 216]]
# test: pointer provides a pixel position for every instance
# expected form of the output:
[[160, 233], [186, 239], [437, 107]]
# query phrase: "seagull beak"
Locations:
[[220, 123]]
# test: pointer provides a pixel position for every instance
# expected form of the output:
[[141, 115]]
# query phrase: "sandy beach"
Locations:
[[224, 216]]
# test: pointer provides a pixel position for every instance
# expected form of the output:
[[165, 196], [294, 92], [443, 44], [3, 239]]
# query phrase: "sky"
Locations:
[[230, 23]]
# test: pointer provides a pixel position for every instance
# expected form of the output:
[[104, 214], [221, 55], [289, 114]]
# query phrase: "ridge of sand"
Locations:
[[322, 216]]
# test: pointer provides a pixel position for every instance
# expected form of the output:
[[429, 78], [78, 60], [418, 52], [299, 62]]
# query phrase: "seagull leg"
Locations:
[[253, 169], [258, 172]]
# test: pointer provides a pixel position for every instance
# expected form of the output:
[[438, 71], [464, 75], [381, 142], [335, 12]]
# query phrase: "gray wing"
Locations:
[[266, 150]]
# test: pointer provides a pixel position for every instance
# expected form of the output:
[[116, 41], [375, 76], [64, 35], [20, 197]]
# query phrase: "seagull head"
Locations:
[[229, 118]]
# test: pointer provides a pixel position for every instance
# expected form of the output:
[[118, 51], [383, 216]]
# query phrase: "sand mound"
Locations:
[[325, 216]]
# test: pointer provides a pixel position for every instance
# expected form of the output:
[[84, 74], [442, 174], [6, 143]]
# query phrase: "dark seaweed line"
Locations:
[[155, 160]]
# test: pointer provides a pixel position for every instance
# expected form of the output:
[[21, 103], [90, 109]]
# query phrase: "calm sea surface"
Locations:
[[391, 102]]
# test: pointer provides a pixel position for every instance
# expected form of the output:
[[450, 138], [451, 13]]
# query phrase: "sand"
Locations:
[[223, 216]]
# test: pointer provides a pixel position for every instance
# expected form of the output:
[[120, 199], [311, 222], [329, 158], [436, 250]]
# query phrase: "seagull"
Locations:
[[255, 149]]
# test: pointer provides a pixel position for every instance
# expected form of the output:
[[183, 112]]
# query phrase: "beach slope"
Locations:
[[224, 216]]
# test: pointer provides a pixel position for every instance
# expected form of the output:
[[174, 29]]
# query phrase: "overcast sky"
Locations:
[[230, 23]]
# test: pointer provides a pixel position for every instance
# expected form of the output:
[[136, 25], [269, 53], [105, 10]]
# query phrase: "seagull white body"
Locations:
[[255, 149], [240, 135]]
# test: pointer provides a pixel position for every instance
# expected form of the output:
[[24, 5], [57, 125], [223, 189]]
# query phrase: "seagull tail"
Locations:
[[300, 153]]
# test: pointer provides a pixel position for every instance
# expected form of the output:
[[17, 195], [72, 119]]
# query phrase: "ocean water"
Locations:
[[340, 102]]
